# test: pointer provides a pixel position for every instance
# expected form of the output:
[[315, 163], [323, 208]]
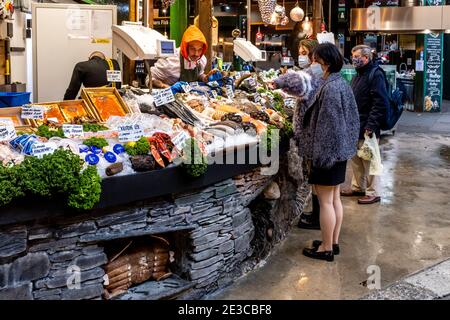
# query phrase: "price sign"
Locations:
[[213, 84], [162, 97], [41, 149], [286, 60], [290, 103], [7, 130], [194, 84], [114, 76], [230, 92], [128, 133], [186, 88], [73, 130], [179, 140], [257, 98], [33, 112], [214, 94]]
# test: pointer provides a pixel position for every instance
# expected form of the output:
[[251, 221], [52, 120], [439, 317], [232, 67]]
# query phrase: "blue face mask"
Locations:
[[358, 62], [303, 61], [316, 69]]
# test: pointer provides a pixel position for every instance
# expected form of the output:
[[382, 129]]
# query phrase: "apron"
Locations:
[[111, 67], [188, 75]]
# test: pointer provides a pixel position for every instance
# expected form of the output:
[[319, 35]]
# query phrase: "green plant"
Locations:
[[267, 138], [288, 129], [140, 147], [9, 186], [93, 127], [47, 132], [88, 190], [194, 162], [97, 142]]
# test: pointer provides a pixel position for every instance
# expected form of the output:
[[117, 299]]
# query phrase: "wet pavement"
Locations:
[[408, 231]]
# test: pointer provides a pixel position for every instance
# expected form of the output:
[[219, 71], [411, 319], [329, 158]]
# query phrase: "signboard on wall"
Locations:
[[433, 72]]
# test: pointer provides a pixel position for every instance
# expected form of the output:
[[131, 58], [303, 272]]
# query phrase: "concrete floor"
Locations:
[[408, 231]]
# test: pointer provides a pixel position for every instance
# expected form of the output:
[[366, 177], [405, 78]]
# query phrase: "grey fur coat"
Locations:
[[330, 124]]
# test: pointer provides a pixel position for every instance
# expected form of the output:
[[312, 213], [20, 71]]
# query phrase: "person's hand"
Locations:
[[214, 75], [178, 87], [272, 85], [368, 132]]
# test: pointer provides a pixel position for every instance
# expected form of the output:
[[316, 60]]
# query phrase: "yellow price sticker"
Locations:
[[101, 41]]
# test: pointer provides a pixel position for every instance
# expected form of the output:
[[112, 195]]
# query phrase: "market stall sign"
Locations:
[[163, 97], [179, 140], [41, 149], [113, 75], [73, 131], [230, 91], [186, 88], [290, 103], [434, 44], [33, 112], [129, 133], [7, 130]]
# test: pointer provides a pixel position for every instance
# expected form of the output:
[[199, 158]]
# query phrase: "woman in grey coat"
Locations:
[[330, 129]]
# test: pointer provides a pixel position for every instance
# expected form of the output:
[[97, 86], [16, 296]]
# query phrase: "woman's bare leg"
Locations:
[[327, 216]]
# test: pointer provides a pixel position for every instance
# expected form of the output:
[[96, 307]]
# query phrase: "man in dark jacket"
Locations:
[[91, 74], [372, 98]]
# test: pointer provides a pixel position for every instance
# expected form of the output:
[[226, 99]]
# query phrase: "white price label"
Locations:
[[73, 130], [194, 84], [257, 98], [230, 92], [186, 88], [286, 60], [41, 149], [7, 130], [129, 133], [114, 76], [214, 94], [213, 84], [290, 103], [252, 82], [179, 140], [162, 97], [33, 112]]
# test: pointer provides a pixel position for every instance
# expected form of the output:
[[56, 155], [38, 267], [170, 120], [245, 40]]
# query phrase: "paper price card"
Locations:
[[7, 130], [114, 76], [128, 133], [290, 103], [194, 84], [73, 130], [230, 92], [162, 97], [186, 88], [41, 149], [179, 140], [33, 112], [214, 94], [257, 98]]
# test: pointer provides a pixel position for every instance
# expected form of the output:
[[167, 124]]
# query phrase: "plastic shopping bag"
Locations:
[[370, 151]]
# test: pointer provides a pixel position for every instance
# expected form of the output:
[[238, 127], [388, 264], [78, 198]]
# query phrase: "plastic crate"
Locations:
[[14, 99]]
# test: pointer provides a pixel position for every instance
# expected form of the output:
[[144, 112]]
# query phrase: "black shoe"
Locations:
[[323, 255], [316, 244], [307, 221]]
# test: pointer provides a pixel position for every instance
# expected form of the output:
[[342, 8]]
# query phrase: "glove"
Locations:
[[215, 76], [178, 87]]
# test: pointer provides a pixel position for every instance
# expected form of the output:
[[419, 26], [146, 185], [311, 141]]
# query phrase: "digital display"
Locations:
[[167, 47]]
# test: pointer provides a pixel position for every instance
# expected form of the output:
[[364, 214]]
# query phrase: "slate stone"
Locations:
[[206, 263], [64, 256], [197, 274], [193, 198], [13, 242], [239, 231], [167, 221], [128, 227], [182, 210], [77, 229], [53, 245], [52, 297], [226, 247], [225, 191], [242, 243], [40, 233], [200, 232], [205, 239], [45, 293], [63, 276], [206, 254], [201, 207], [240, 217], [31, 267], [20, 292], [127, 216], [208, 213], [230, 206], [212, 244], [92, 250], [89, 262], [85, 292], [207, 281]]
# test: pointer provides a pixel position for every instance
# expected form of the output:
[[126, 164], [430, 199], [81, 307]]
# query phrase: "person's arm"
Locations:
[[158, 84], [75, 84], [380, 102]]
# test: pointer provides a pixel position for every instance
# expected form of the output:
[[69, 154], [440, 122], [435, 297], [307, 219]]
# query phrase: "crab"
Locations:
[[161, 144]]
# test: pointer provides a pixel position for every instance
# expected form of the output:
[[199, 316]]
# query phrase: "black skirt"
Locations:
[[328, 177]]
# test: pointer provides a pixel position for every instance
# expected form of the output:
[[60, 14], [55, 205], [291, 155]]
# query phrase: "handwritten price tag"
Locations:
[[41, 149], [180, 139], [163, 97], [73, 130], [186, 88], [114, 76], [290, 103], [230, 92], [7, 130], [128, 133], [33, 112]]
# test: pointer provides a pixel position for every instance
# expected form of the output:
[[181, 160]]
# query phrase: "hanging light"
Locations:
[[306, 25], [297, 14], [267, 8]]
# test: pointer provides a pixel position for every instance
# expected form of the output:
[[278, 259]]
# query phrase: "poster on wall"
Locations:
[[433, 72]]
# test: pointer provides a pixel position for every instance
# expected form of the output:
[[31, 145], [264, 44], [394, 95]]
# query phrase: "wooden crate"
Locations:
[[90, 95], [2, 62], [13, 113]]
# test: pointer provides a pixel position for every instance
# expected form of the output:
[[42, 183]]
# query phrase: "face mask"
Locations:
[[358, 62], [303, 61], [316, 69]]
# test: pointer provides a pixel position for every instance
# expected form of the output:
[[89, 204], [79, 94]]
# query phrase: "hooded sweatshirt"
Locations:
[[168, 69]]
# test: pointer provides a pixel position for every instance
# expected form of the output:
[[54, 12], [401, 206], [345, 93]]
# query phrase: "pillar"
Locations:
[[205, 24], [178, 20]]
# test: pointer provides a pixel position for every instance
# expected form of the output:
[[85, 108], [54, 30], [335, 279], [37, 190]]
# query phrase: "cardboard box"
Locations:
[[111, 105], [69, 110], [14, 114]]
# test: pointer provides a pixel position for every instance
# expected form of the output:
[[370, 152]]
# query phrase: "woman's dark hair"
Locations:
[[330, 55], [309, 44]]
